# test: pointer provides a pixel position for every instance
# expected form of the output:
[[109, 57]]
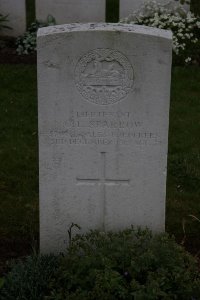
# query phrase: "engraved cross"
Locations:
[[103, 181]]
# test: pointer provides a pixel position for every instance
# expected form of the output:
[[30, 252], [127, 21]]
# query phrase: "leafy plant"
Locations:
[[184, 222], [3, 21], [184, 25], [26, 44], [29, 280], [130, 264]]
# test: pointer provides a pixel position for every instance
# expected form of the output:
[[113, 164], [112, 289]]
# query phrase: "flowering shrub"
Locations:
[[26, 44], [184, 25]]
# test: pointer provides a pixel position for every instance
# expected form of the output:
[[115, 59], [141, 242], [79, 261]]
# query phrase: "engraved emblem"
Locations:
[[104, 76]]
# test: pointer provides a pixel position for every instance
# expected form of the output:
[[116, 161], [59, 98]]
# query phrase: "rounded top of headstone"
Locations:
[[76, 27]]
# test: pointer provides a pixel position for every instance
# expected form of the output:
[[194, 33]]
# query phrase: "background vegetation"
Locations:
[[112, 10], [19, 153]]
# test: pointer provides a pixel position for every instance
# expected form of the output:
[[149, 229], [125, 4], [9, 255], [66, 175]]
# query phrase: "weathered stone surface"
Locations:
[[69, 11], [128, 6], [104, 95], [17, 16]]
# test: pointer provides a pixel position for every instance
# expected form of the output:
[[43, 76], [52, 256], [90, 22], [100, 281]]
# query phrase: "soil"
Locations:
[[8, 54]]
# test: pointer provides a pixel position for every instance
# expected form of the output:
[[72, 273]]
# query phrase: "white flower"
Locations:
[[195, 41], [180, 34], [188, 59], [182, 24]]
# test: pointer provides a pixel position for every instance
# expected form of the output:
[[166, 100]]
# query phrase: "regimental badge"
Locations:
[[104, 76]]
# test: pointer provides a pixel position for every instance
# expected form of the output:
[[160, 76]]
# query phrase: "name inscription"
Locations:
[[101, 128]]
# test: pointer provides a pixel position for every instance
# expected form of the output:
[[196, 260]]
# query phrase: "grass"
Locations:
[[19, 153], [183, 188]]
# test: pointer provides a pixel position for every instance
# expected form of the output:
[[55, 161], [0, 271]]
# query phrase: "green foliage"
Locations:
[[28, 280], [26, 44], [131, 264], [1, 282], [3, 21]]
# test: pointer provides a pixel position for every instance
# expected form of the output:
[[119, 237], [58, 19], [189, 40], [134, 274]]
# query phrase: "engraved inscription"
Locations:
[[102, 128], [104, 76]]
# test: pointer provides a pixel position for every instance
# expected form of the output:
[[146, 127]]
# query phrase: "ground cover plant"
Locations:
[[130, 264]]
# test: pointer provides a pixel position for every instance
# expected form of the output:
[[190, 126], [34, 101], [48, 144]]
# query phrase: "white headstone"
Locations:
[[104, 95], [17, 16], [127, 7], [69, 11]]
